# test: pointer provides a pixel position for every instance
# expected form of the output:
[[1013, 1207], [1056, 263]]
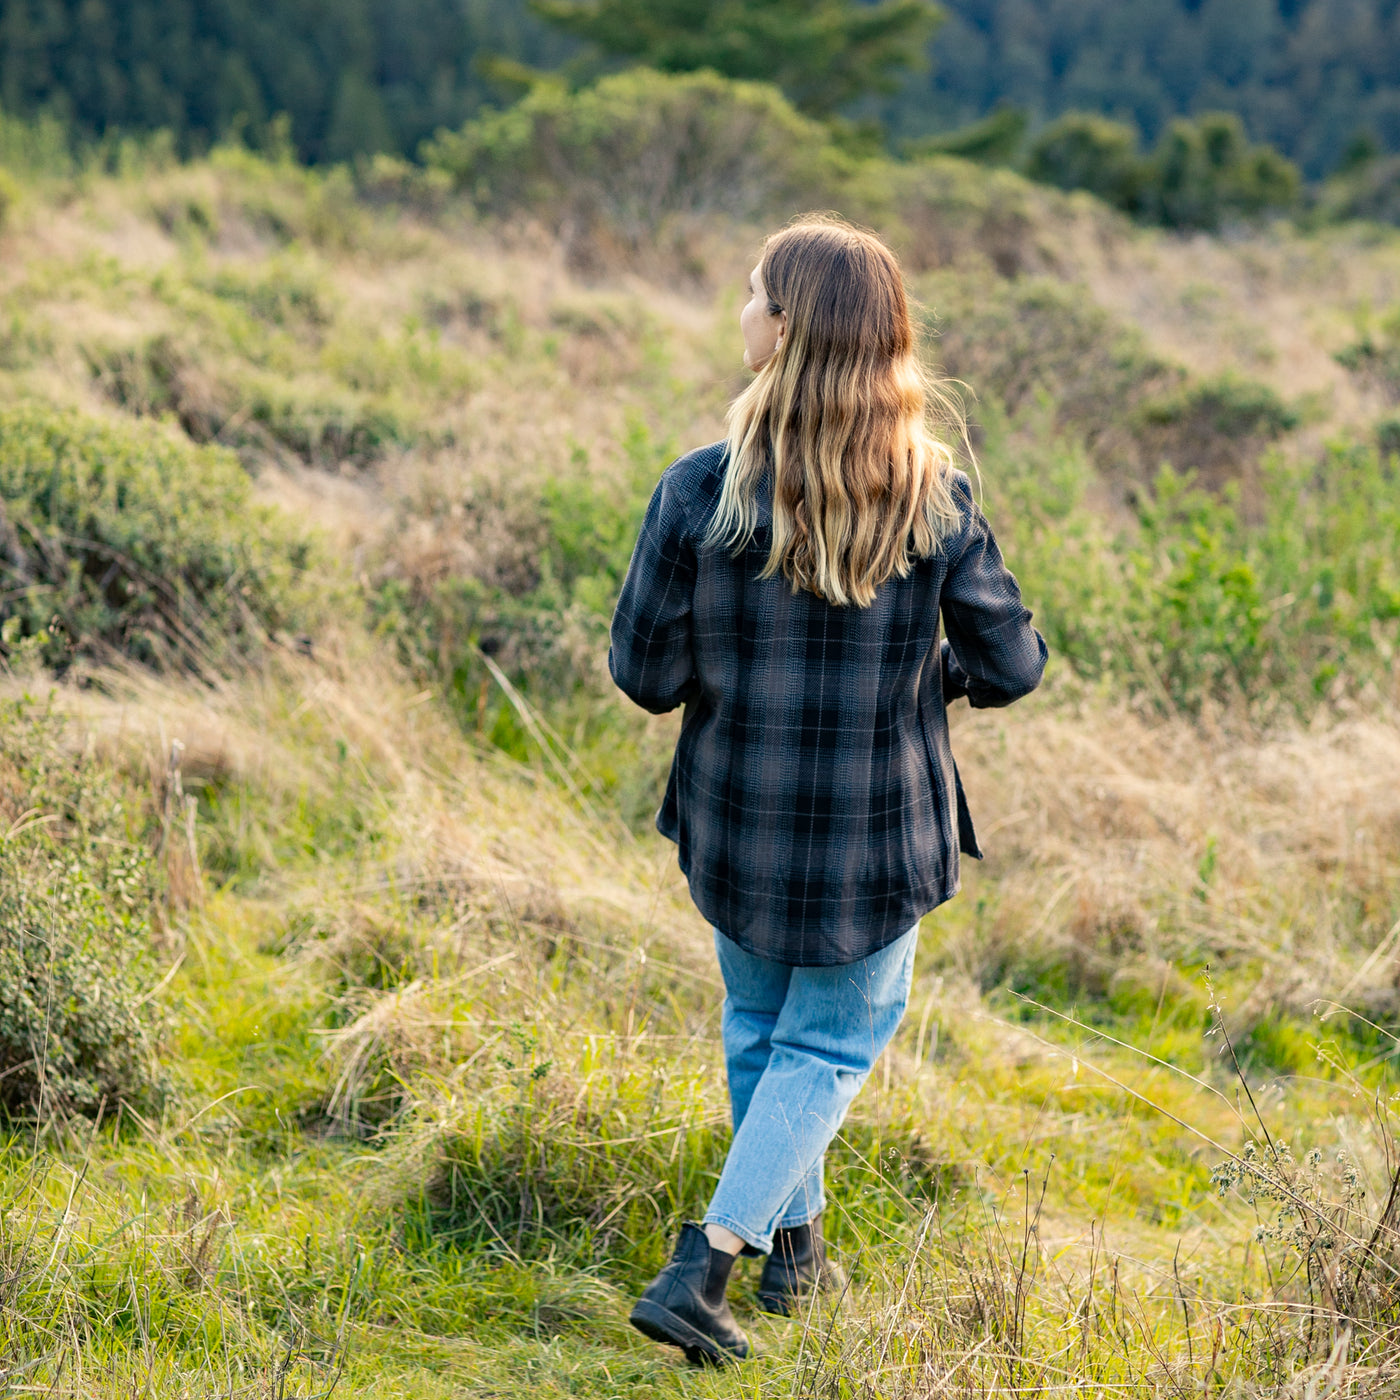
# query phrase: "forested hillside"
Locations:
[[1307, 76], [354, 76]]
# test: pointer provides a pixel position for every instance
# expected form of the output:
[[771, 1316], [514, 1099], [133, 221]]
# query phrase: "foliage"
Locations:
[[1374, 358], [1369, 189], [77, 1030], [126, 539], [640, 157], [1200, 604], [1205, 173], [822, 53], [355, 77], [995, 140], [1018, 340], [1304, 75], [1082, 151], [1217, 425]]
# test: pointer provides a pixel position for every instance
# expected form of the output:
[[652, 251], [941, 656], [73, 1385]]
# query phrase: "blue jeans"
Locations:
[[799, 1042]]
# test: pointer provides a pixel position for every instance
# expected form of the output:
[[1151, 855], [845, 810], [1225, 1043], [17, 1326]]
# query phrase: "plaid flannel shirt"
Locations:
[[813, 793]]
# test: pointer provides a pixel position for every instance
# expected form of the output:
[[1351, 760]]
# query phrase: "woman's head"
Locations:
[[837, 414]]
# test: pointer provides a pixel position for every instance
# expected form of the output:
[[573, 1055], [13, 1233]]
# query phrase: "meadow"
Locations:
[[357, 1035]]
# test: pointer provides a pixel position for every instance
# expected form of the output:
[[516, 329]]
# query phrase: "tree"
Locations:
[[822, 53], [1206, 172], [995, 140], [1082, 151]]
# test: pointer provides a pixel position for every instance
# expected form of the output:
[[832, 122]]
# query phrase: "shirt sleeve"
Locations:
[[991, 654], [651, 657]]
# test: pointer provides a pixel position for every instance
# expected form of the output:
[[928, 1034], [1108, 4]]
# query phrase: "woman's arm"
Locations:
[[650, 657], [992, 654]]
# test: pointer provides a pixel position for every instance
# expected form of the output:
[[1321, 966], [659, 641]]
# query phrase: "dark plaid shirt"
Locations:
[[813, 792]]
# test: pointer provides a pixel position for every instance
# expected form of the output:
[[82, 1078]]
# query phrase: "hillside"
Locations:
[[402, 1062]]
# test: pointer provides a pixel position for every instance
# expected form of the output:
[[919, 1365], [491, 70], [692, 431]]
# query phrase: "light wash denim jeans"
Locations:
[[799, 1043]]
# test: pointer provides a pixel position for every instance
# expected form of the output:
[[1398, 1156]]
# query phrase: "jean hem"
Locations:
[[810, 1215], [762, 1243]]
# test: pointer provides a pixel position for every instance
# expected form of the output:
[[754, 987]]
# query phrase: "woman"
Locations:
[[786, 589]]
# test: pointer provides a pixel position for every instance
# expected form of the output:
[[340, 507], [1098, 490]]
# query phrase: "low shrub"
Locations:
[[1083, 151], [1203, 173], [1201, 602], [1212, 426], [125, 539], [1388, 436], [941, 211], [541, 609], [1016, 340], [260, 413], [1370, 190], [641, 159], [78, 1029], [1374, 357]]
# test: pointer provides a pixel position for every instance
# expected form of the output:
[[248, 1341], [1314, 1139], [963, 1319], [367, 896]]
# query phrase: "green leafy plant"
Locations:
[[1206, 172], [637, 157], [1082, 151], [78, 1029], [125, 539]]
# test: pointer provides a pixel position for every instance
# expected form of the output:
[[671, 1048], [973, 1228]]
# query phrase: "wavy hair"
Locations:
[[839, 420]]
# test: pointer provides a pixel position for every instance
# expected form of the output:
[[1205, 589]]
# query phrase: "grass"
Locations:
[[442, 1026]]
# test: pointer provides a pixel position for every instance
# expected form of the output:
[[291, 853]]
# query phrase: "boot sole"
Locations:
[[662, 1325]]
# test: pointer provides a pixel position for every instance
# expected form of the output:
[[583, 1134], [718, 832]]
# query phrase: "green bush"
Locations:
[[1374, 358], [9, 195], [1202, 174], [641, 156], [1368, 190], [995, 140], [77, 1026], [1015, 340], [1212, 426], [1201, 602], [1205, 173], [1082, 151], [1388, 436], [125, 539]]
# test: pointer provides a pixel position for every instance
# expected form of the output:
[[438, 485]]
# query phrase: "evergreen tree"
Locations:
[[822, 53], [352, 75]]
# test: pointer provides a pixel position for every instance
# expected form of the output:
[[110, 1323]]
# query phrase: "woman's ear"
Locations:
[[782, 330]]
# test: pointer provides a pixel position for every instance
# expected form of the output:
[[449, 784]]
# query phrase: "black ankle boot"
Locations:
[[684, 1305], [796, 1265]]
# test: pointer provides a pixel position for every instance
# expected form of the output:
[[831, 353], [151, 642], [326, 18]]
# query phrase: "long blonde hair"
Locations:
[[838, 419]]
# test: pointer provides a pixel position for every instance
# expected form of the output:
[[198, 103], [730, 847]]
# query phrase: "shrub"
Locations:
[[1368, 190], [125, 539], [1388, 436], [1205, 173], [1375, 358], [641, 157], [1016, 340], [1212, 426], [77, 1026], [940, 210], [1296, 600], [1081, 151], [995, 140], [9, 195]]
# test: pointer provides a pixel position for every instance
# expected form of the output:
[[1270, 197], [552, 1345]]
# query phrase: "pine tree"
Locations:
[[822, 53]]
